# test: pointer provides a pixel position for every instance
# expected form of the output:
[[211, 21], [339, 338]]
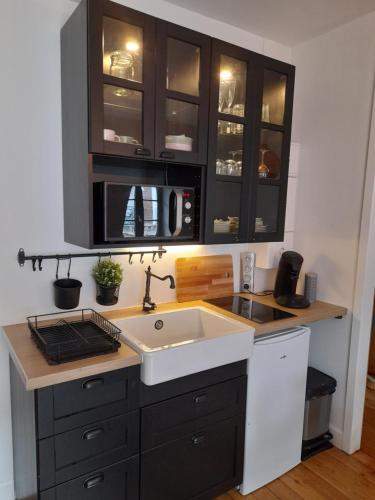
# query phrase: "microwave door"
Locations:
[[175, 212]]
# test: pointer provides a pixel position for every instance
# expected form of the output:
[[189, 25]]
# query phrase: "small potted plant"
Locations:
[[108, 278]]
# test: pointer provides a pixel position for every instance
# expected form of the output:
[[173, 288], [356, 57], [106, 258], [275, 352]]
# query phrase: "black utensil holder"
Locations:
[[67, 292]]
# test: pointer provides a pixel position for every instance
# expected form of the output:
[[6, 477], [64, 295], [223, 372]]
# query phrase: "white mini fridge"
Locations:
[[276, 390]]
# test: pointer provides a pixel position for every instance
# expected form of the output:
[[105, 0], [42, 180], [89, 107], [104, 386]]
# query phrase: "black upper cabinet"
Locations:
[[129, 54], [231, 129], [249, 140], [271, 150], [182, 90], [184, 104], [121, 44]]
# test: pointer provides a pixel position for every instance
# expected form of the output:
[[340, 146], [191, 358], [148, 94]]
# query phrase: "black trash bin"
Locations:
[[319, 390]]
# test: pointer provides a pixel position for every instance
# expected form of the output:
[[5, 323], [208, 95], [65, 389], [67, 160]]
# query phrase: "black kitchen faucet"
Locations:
[[148, 305]]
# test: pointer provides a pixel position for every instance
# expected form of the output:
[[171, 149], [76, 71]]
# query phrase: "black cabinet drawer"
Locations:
[[61, 407], [190, 412], [83, 394], [87, 448], [200, 465], [118, 482]]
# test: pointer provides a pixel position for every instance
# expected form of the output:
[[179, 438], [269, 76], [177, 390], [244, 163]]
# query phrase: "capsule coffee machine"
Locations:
[[286, 281]]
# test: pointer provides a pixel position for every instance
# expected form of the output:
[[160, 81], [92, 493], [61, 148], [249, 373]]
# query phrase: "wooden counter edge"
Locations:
[[66, 372]]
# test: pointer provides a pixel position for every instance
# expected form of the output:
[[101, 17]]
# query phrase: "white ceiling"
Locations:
[[285, 21]]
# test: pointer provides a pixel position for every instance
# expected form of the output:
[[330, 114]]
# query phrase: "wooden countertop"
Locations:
[[37, 373], [316, 312]]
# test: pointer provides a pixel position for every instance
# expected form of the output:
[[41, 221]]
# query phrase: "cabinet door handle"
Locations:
[[168, 155], [142, 151], [91, 482], [198, 439], [201, 398], [92, 434], [92, 383]]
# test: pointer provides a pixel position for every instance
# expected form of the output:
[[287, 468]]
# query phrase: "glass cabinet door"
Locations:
[[182, 94], [122, 81], [273, 139], [232, 111]]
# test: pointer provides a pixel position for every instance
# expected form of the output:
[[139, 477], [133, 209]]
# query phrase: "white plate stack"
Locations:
[[260, 227], [179, 142]]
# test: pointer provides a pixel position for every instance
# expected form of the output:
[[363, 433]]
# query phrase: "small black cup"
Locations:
[[67, 292]]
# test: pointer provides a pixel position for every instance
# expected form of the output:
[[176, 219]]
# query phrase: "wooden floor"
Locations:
[[330, 475]]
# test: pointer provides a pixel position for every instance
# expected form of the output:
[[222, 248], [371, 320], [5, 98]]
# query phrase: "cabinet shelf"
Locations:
[[229, 178], [232, 118], [269, 182], [272, 126]]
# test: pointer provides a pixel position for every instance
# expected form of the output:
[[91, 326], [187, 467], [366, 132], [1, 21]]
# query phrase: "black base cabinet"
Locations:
[[200, 465], [111, 437]]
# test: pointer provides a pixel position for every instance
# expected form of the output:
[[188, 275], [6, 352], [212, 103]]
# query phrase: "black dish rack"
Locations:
[[87, 335]]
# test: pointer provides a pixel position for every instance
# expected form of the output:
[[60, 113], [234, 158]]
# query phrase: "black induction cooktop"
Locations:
[[250, 309]]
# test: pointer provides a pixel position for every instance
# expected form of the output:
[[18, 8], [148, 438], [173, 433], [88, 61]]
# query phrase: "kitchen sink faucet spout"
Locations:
[[148, 305]]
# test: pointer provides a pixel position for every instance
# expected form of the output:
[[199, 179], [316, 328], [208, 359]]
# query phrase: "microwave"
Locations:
[[127, 212]]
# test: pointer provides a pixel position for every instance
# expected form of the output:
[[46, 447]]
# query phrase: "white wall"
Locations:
[[31, 171], [334, 80]]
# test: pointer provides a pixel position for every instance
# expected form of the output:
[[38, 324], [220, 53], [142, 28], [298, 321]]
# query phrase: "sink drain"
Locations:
[[159, 324]]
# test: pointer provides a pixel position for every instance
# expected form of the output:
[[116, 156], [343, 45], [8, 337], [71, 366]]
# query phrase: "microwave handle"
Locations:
[[175, 212]]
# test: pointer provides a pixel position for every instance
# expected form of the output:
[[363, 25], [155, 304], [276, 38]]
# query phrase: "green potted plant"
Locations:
[[108, 278]]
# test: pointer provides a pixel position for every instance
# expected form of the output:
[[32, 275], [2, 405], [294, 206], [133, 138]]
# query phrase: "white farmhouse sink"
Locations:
[[185, 341]]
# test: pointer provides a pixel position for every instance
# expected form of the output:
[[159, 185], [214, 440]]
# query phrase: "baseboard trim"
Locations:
[[337, 437], [7, 491]]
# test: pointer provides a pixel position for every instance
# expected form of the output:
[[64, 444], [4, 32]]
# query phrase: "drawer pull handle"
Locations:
[[198, 439], [168, 155], [201, 398], [92, 383], [91, 482], [92, 434], [142, 152]]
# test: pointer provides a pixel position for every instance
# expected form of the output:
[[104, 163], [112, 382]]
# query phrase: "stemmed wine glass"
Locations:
[[231, 89], [263, 170], [222, 92], [237, 167]]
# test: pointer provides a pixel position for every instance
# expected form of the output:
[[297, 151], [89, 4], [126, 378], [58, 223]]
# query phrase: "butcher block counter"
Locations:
[[36, 373]]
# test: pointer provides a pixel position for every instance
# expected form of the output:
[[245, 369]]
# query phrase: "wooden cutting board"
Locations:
[[205, 277]]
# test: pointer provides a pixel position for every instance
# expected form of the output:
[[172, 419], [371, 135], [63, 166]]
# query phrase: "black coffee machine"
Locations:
[[286, 281]]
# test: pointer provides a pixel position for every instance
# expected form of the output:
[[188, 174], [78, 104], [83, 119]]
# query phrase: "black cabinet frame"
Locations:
[[167, 30], [97, 10], [267, 63], [222, 48]]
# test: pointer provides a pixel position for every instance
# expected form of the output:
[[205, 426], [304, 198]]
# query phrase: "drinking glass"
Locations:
[[220, 167]]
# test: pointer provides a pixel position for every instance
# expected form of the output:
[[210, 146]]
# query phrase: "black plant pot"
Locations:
[[107, 295], [67, 293]]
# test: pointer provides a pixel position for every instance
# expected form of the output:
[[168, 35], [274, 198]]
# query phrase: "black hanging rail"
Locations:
[[22, 257]]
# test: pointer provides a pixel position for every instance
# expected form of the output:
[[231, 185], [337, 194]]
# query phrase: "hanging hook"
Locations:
[[70, 265], [40, 260], [99, 257], [141, 258], [130, 258], [33, 260], [110, 256], [57, 268], [154, 257]]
